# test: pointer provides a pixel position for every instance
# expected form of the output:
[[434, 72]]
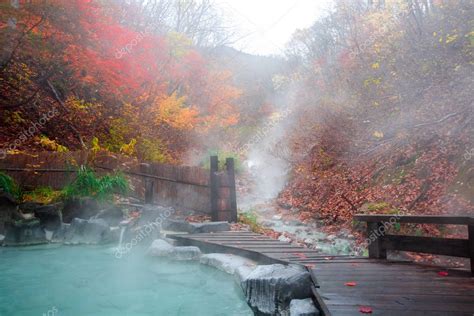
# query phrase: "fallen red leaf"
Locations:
[[443, 273], [350, 284], [365, 310], [300, 255]]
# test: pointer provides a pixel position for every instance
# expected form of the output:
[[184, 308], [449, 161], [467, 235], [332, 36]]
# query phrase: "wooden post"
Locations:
[[214, 187], [470, 228], [149, 190], [376, 250], [233, 196]]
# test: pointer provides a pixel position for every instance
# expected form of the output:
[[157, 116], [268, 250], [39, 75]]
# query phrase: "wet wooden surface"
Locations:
[[386, 287]]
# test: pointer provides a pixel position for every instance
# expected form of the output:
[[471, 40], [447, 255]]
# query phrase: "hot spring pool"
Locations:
[[60, 280]]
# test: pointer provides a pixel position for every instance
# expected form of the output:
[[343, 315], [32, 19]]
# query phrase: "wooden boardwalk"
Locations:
[[387, 287]]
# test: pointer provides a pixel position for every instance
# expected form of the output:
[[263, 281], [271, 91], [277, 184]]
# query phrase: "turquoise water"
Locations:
[[60, 280]]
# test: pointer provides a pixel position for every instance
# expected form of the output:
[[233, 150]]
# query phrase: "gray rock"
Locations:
[[195, 228], [159, 248], [227, 262], [269, 289], [185, 253], [49, 215], [112, 215], [303, 308], [176, 225], [209, 227], [83, 208], [8, 210], [24, 233], [91, 232]]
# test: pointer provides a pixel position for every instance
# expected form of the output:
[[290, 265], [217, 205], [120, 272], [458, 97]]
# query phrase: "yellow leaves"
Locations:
[[378, 134], [129, 149], [451, 38], [52, 145], [95, 147], [375, 65], [178, 44], [172, 111]]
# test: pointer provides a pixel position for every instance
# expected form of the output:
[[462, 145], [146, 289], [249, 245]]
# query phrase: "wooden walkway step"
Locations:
[[387, 287]]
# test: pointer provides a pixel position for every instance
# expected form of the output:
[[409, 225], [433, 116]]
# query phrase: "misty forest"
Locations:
[[226, 157]]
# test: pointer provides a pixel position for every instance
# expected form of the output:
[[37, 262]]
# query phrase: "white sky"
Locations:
[[265, 26]]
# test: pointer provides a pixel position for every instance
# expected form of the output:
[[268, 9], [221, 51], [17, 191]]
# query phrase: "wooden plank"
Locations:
[[471, 246], [376, 250], [433, 245], [214, 187], [233, 196], [419, 219]]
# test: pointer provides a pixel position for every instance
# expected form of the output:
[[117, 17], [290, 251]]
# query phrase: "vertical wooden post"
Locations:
[[214, 187], [233, 196], [470, 228], [376, 250], [149, 190]]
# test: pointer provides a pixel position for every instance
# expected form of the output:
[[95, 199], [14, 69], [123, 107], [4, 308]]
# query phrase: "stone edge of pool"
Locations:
[[269, 289]]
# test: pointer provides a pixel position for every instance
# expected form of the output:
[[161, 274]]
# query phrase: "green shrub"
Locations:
[[8, 185], [88, 184]]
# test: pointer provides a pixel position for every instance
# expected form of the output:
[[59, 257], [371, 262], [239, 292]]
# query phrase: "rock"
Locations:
[[195, 228], [209, 227], [331, 237], [8, 210], [29, 207], [227, 262], [83, 208], [242, 272], [24, 233], [277, 217], [90, 232], [159, 248], [185, 253], [176, 225], [284, 238], [269, 289], [1, 239], [50, 216], [303, 308], [112, 215]]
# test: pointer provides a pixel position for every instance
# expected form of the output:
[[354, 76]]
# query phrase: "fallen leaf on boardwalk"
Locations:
[[365, 310], [328, 258], [443, 273], [350, 284], [300, 255]]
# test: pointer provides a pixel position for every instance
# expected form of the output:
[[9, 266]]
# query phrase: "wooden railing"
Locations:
[[380, 241]]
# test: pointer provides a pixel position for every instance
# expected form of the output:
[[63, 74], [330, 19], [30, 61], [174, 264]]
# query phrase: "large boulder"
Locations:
[[8, 210], [112, 215], [227, 262], [50, 216], [83, 208], [160, 248], [195, 228], [209, 227], [24, 233], [90, 232], [185, 253], [269, 289], [303, 308]]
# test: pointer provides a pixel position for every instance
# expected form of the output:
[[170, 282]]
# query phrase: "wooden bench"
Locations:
[[379, 242]]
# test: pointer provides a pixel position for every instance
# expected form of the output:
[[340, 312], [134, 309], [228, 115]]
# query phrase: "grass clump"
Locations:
[[88, 184], [250, 219], [43, 195], [8, 185]]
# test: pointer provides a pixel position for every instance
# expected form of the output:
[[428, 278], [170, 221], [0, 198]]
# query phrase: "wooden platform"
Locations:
[[388, 288]]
